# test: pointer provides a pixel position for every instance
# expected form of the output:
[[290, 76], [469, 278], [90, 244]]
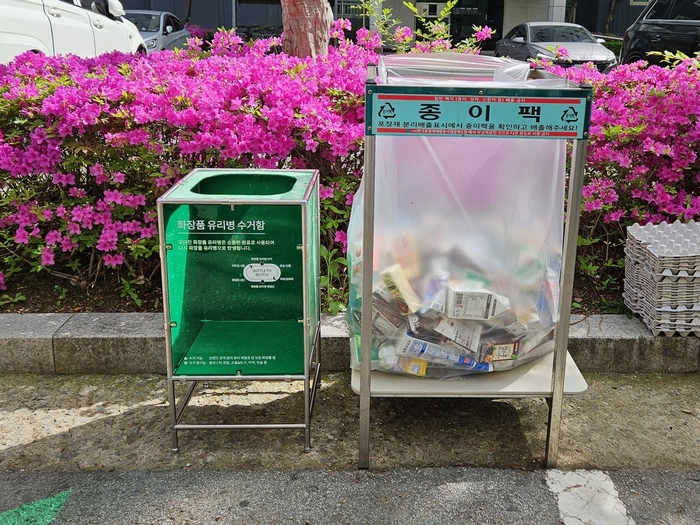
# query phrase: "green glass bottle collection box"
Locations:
[[240, 259]]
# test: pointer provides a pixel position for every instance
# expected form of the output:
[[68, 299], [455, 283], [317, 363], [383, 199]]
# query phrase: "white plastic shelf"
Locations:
[[532, 379]]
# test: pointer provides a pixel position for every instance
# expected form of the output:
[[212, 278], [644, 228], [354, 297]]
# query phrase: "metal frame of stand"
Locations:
[[554, 366], [311, 384]]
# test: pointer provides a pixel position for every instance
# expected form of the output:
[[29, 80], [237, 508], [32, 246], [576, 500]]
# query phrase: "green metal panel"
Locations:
[[235, 275], [313, 220], [242, 185]]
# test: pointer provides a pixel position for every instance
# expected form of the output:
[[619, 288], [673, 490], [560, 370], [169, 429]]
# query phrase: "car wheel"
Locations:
[[141, 51], [634, 57]]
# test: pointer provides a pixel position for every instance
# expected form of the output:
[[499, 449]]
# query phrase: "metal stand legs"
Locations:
[[311, 380]]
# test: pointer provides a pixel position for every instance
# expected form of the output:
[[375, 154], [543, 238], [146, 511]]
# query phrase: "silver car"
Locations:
[[159, 29], [540, 39]]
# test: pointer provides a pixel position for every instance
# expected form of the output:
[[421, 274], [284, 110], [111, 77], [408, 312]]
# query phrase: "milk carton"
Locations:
[[470, 300]]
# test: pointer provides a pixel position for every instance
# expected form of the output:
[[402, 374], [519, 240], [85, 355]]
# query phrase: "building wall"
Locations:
[[401, 12], [267, 16], [520, 11]]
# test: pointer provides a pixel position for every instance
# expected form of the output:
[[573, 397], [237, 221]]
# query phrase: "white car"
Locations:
[[159, 29], [540, 39], [60, 27]]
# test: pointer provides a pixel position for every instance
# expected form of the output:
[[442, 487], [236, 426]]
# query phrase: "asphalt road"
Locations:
[[401, 496]]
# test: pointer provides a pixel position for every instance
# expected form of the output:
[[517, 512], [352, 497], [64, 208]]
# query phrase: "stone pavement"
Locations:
[[121, 422], [135, 344], [100, 441]]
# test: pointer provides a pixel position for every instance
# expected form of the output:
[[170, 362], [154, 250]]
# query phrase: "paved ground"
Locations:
[[96, 450], [119, 423], [401, 496]]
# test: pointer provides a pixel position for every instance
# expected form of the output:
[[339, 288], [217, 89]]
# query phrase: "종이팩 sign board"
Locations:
[[561, 114]]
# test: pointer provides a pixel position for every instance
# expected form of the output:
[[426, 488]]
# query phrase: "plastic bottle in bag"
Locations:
[[436, 354]]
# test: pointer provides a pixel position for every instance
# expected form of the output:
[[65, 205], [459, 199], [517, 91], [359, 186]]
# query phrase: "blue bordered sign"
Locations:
[[561, 114]]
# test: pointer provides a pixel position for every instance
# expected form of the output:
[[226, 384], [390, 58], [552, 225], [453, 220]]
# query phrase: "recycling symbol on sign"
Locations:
[[387, 111], [570, 115]]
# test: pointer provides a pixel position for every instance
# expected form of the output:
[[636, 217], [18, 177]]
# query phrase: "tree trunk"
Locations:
[[188, 12], [306, 26], [611, 13]]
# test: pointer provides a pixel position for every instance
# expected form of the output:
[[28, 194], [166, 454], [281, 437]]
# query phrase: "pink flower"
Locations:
[[342, 238], [614, 216], [2, 281], [64, 179], [339, 27], [483, 34], [98, 171], [113, 260], [47, 256], [325, 193], [561, 54], [78, 193], [402, 35], [53, 237], [349, 198], [108, 240], [67, 244], [21, 236]]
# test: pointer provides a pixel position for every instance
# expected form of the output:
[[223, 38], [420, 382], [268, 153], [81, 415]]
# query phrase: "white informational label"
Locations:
[[261, 272], [465, 302], [466, 336]]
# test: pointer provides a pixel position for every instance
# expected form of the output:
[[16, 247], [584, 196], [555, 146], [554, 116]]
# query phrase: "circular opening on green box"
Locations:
[[248, 184]]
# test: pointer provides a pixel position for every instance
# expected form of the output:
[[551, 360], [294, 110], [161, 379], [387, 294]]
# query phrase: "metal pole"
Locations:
[[172, 397], [367, 274], [173, 416], [573, 214], [306, 322]]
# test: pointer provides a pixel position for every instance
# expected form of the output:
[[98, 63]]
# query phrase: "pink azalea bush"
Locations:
[[87, 145], [642, 164], [199, 32]]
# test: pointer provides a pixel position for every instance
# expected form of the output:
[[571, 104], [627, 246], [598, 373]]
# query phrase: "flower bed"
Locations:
[[642, 163], [87, 146]]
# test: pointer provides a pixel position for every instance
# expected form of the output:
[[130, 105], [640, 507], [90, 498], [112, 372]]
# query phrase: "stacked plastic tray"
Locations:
[[662, 276]]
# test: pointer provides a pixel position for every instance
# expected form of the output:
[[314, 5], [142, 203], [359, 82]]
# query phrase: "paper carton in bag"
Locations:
[[400, 289], [466, 336], [471, 301]]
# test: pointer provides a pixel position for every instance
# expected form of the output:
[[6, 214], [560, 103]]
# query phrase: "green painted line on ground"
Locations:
[[40, 512]]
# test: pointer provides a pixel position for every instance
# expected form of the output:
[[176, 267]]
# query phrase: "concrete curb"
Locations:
[[134, 343]]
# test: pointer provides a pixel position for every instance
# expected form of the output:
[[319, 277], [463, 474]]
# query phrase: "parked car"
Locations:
[[539, 39], [59, 27], [159, 29], [664, 25]]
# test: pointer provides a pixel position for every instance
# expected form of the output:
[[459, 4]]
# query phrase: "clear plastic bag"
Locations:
[[467, 253]]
